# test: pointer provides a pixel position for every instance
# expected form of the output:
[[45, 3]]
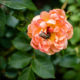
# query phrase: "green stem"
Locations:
[[65, 4]]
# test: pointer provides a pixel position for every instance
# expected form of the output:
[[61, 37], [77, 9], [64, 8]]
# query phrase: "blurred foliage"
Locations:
[[18, 60]]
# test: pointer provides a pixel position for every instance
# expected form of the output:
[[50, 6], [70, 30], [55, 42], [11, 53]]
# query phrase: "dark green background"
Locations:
[[18, 60]]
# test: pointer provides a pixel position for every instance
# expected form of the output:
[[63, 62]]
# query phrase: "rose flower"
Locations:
[[50, 31]]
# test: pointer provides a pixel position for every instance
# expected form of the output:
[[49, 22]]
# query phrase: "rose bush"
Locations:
[[19, 60]]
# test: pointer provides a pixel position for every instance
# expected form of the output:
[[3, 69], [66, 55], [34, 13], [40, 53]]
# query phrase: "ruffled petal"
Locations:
[[44, 15]]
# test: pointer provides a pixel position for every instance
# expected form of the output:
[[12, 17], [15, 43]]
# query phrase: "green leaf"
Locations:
[[56, 59], [27, 74], [12, 21], [9, 33], [68, 61], [19, 4], [72, 8], [20, 43], [2, 63], [78, 76], [75, 17], [70, 75], [76, 36], [2, 22], [70, 50], [42, 66], [10, 74], [19, 60], [78, 2]]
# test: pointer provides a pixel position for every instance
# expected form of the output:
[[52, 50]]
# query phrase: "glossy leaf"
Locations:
[[20, 43], [43, 67], [12, 21], [2, 22], [19, 60], [19, 4], [68, 61], [27, 74]]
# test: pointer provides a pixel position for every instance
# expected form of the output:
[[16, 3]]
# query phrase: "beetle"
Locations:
[[44, 35]]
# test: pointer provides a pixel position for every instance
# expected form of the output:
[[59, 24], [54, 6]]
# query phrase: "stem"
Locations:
[[65, 4]]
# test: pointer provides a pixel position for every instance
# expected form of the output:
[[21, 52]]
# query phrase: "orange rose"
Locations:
[[50, 31]]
